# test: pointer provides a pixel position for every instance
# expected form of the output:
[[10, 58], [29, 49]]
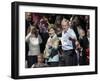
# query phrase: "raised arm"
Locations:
[[27, 37]]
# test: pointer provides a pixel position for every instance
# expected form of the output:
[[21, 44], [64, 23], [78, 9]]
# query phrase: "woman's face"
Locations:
[[51, 32], [34, 32]]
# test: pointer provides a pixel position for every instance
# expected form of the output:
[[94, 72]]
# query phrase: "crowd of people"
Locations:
[[53, 40]]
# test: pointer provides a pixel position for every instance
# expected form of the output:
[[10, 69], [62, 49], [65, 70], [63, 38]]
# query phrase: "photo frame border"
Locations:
[[15, 38]]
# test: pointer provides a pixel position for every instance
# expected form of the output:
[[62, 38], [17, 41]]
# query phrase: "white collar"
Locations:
[[66, 30]]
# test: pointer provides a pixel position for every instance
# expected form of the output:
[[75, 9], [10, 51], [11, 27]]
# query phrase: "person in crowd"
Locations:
[[83, 39], [43, 30], [84, 42], [51, 49], [51, 18], [88, 34], [84, 21], [81, 54], [59, 30], [40, 62], [36, 18], [75, 25], [58, 21], [68, 39], [28, 20], [88, 50], [59, 35], [43, 26], [33, 39]]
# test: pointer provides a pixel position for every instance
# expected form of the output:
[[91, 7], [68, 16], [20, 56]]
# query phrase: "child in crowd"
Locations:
[[40, 62]]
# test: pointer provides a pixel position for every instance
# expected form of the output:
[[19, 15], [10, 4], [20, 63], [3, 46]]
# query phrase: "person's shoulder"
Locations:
[[70, 30]]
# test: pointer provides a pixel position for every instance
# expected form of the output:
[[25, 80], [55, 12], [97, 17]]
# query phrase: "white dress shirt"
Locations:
[[66, 42]]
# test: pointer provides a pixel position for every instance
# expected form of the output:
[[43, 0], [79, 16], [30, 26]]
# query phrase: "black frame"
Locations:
[[15, 38]]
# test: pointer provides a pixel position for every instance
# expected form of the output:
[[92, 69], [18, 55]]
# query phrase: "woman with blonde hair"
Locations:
[[51, 49]]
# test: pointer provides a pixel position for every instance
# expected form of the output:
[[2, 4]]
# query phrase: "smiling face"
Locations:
[[51, 31]]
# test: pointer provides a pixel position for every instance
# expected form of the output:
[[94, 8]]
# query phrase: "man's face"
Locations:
[[65, 25], [28, 16]]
